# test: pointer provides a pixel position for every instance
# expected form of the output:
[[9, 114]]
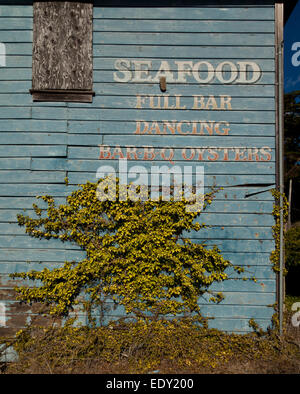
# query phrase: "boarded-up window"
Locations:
[[62, 62]]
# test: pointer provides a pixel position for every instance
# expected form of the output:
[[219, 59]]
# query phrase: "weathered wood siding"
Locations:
[[42, 143], [71, 42]]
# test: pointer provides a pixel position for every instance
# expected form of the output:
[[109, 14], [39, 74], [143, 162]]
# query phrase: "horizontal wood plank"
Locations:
[[77, 165], [181, 25], [16, 11], [25, 176], [190, 13], [164, 154], [162, 38], [230, 246], [264, 116], [210, 219], [32, 125], [129, 127], [166, 102], [209, 180], [260, 272], [33, 150], [19, 138], [209, 233], [177, 52]]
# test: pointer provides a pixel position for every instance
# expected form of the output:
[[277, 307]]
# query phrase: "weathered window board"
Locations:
[[62, 60]]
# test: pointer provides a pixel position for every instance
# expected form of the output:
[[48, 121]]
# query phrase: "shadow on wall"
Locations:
[[292, 281]]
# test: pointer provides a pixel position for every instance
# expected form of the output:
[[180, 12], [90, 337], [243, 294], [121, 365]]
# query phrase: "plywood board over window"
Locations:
[[62, 61]]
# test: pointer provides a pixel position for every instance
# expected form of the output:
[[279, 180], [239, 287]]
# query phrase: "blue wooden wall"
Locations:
[[42, 143]]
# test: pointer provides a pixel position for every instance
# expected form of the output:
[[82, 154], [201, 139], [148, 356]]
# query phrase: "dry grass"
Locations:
[[172, 349]]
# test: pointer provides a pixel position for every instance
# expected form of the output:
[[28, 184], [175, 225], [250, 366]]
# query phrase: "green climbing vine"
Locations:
[[275, 254], [140, 254]]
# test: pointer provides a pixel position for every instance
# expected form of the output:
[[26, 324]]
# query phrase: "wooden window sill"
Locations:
[[51, 95]]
